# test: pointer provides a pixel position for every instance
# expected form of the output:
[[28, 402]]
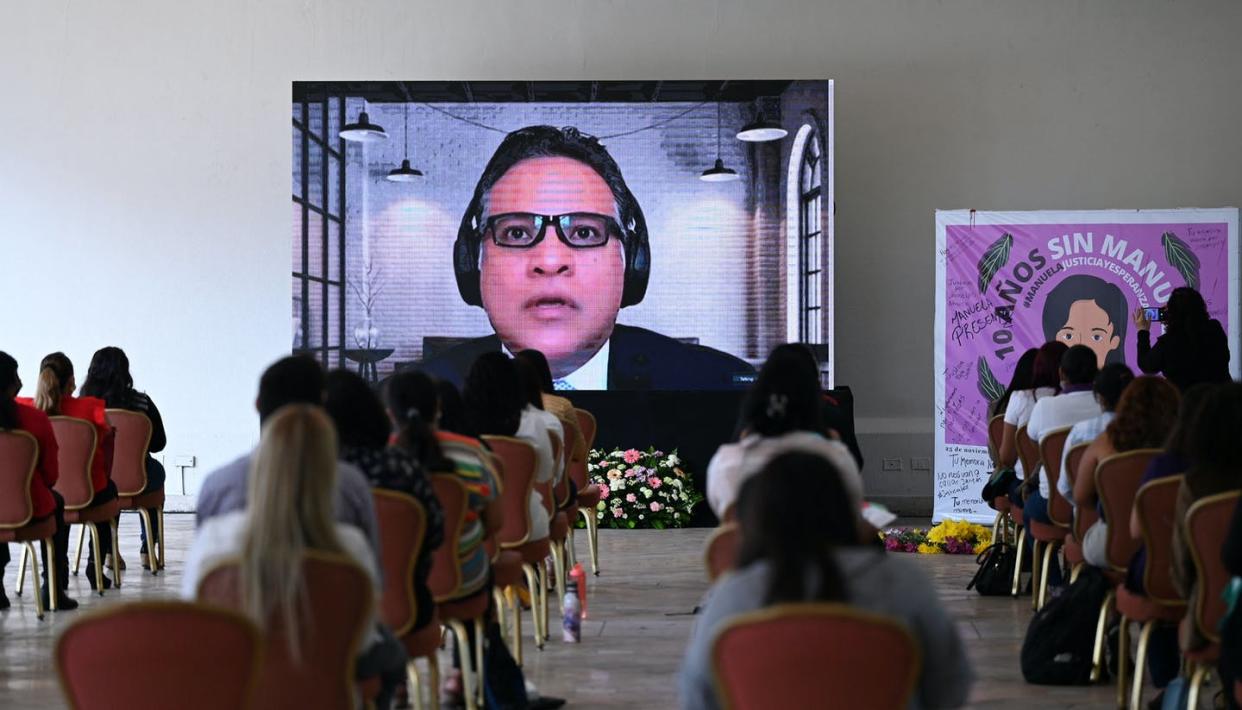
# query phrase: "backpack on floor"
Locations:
[[1060, 640], [995, 575]]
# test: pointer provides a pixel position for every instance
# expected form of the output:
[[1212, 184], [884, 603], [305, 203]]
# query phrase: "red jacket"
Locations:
[[92, 410], [46, 470]]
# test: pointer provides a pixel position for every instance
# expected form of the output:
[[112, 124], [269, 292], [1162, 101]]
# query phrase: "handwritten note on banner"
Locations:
[[1009, 281]]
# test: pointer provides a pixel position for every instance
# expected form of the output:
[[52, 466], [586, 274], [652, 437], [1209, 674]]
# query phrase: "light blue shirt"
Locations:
[[1083, 432]]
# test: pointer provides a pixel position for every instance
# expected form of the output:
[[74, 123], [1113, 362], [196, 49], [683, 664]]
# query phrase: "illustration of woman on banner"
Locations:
[[1087, 310]]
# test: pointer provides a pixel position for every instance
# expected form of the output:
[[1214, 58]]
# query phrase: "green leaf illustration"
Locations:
[[1181, 258], [993, 260], [989, 386]]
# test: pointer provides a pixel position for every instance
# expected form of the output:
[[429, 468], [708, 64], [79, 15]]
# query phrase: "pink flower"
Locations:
[[632, 456], [616, 512], [603, 491], [630, 498], [655, 507], [654, 482]]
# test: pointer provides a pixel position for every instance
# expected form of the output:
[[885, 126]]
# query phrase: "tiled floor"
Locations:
[[633, 638]]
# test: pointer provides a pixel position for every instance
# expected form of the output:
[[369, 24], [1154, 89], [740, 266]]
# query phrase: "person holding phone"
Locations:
[[1193, 347]]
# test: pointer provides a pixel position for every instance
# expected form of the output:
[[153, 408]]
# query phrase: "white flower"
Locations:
[[672, 460], [676, 482], [646, 492], [600, 505], [642, 517]]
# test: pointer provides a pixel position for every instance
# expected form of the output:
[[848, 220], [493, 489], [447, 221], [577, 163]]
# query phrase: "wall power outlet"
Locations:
[[892, 465]]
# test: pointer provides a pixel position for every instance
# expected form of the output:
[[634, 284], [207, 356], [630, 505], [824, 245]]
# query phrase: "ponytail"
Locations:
[[417, 437], [47, 394], [412, 398]]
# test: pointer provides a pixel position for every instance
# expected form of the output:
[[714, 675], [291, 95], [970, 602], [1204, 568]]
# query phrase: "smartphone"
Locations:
[[1155, 315]]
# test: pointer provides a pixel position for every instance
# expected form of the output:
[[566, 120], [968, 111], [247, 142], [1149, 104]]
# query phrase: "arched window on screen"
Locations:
[[806, 238]]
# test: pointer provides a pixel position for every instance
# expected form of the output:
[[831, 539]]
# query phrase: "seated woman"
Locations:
[[495, 405], [54, 397], [782, 412], [44, 500], [292, 489], [363, 429], [1045, 382], [1143, 420], [560, 407], [799, 544], [1111, 381], [536, 416], [108, 379]]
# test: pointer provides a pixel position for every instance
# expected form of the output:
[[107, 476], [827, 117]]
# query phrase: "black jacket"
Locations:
[[638, 359], [1186, 361]]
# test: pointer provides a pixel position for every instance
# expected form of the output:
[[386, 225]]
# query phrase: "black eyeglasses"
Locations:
[[577, 230]]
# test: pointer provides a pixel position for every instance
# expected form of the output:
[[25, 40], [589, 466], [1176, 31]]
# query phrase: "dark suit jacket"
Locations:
[[638, 359]]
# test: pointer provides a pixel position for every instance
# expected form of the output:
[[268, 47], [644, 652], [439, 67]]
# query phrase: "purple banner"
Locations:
[[1016, 286]]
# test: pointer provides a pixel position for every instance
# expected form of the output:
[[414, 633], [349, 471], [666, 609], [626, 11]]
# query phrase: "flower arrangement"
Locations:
[[641, 489], [954, 537]]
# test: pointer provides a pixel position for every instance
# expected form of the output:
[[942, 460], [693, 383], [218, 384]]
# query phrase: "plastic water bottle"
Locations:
[[579, 577], [572, 623]]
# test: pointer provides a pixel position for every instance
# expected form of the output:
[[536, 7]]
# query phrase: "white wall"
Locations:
[[144, 154]]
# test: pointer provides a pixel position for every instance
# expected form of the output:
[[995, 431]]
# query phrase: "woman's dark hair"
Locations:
[[1180, 439], [453, 410], [1145, 414], [1046, 371], [412, 399], [1023, 371], [493, 395], [356, 411], [537, 361], [1083, 287], [1215, 444], [793, 514], [1186, 312], [1079, 365], [529, 378], [8, 378], [1110, 383], [786, 396], [108, 377], [55, 371]]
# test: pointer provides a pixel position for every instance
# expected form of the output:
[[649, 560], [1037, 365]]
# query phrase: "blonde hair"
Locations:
[[55, 371], [291, 493]]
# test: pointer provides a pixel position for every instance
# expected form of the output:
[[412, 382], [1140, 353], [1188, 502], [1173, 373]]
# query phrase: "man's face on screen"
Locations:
[[551, 297]]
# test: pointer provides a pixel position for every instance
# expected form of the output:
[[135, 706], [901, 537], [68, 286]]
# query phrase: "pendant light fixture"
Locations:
[[760, 130], [718, 172], [405, 173], [363, 131]]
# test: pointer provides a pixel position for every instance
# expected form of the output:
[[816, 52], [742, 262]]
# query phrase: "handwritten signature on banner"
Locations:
[[960, 476]]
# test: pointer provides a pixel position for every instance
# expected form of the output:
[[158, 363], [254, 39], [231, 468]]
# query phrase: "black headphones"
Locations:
[[466, 250]]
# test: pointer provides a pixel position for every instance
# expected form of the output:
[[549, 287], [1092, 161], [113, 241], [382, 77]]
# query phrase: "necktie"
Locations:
[[561, 386]]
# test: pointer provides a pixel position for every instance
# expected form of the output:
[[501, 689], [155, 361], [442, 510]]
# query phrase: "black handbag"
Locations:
[[994, 577]]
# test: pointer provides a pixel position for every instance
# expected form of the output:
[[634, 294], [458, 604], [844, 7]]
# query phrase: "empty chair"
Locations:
[[192, 655]]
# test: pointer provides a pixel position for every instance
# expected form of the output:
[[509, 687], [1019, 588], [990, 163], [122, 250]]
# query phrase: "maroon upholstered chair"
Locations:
[[445, 582], [340, 602], [517, 459], [402, 528], [588, 493], [815, 656], [19, 454], [1082, 519], [129, 472], [1050, 537], [1206, 527], [1001, 504], [203, 657], [76, 441], [1028, 454], [720, 550], [558, 524], [1155, 505]]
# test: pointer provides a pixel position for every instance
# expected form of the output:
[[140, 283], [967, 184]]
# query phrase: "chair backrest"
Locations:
[[815, 656], [720, 550], [340, 599], [129, 456], [19, 454], [205, 657], [1028, 452], [1155, 504], [1083, 517], [1050, 447], [1073, 457], [578, 469], [517, 459], [996, 429], [445, 577], [560, 458], [76, 440], [1207, 526], [402, 529], [1117, 480]]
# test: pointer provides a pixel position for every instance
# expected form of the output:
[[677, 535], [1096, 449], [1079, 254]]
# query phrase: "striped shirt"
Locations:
[[471, 466]]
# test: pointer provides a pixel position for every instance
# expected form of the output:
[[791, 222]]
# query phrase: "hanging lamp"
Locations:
[[405, 173], [363, 131], [761, 130], [718, 172]]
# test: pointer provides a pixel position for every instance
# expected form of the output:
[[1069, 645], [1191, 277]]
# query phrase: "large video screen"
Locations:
[[646, 235]]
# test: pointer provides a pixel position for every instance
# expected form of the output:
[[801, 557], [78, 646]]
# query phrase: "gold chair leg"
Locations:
[[558, 573], [571, 553], [1075, 571], [34, 565], [478, 658], [465, 654], [413, 685], [152, 563], [592, 527], [1101, 625], [544, 583], [160, 534], [532, 584], [498, 599], [516, 608], [1140, 665], [1123, 657], [21, 572], [1017, 565], [433, 680], [1049, 548], [116, 556], [1196, 681], [53, 585], [98, 570], [77, 557], [1036, 546]]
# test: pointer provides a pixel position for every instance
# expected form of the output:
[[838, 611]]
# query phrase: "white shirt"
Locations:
[[1051, 413], [593, 375], [1018, 412], [220, 539], [533, 429], [1083, 432], [734, 463]]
